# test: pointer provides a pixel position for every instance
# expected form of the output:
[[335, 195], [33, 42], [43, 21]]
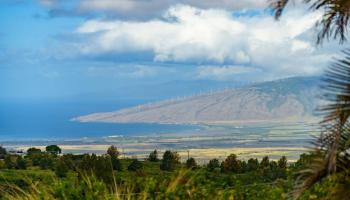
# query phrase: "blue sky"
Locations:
[[51, 49]]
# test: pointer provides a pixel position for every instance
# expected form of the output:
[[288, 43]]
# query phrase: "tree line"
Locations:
[[101, 166]]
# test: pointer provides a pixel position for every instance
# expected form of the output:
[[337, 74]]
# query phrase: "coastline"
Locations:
[[202, 155]]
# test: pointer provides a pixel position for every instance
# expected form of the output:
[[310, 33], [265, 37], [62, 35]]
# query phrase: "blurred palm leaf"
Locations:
[[334, 21], [331, 156]]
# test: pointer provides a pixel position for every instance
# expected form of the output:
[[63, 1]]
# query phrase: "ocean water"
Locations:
[[51, 120]]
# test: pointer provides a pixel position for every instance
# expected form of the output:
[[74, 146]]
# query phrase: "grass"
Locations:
[[150, 183]]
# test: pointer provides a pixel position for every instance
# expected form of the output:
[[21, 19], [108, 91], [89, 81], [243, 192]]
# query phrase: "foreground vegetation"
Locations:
[[51, 175]]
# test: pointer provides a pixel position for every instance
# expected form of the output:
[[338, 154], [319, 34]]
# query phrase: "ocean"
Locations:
[[52, 120]]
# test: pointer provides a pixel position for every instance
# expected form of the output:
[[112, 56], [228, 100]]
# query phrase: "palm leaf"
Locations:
[[335, 19], [331, 155]]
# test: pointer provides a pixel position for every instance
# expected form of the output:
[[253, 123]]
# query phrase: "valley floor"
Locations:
[[210, 141]]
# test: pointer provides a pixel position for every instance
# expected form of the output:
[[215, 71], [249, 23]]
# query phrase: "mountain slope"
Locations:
[[291, 99]]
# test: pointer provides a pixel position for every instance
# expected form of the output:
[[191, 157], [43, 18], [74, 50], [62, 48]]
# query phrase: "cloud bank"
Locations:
[[187, 34]]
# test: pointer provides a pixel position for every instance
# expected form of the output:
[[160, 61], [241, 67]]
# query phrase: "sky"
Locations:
[[60, 49]]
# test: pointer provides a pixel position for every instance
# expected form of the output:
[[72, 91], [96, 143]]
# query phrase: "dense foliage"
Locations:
[[91, 176], [53, 149]]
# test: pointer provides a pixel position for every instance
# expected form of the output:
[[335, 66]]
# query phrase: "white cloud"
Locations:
[[202, 36]]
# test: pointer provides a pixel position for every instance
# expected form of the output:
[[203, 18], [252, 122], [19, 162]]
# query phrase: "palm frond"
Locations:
[[308, 177], [335, 19], [337, 90], [278, 7], [331, 155]]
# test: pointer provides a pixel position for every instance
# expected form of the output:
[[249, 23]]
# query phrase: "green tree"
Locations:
[[213, 164], [32, 151], [191, 163], [34, 155], [169, 161], [153, 156], [113, 151], [282, 162], [253, 164], [282, 167], [231, 164], [265, 163], [53, 149], [135, 165]]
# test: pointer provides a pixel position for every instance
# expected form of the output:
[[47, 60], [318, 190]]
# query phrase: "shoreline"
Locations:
[[201, 154]]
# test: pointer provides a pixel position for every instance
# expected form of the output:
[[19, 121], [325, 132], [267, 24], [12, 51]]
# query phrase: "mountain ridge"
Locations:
[[290, 99]]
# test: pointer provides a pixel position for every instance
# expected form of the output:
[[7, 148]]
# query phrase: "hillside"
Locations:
[[292, 99]]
